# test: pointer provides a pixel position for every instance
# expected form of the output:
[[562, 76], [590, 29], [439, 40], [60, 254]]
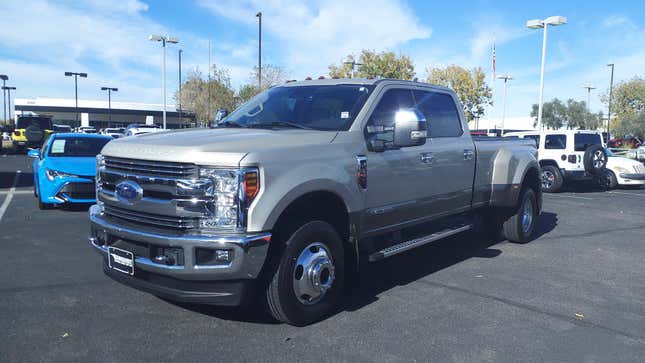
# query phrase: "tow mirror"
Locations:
[[221, 113], [410, 128], [34, 153]]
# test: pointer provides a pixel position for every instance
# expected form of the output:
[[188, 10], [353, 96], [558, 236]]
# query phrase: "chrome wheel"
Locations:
[[599, 159], [548, 179], [313, 274], [527, 215]]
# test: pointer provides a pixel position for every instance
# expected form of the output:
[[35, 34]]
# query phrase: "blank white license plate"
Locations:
[[121, 260]]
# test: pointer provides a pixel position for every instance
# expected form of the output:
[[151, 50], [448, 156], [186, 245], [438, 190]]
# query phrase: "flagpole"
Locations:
[[492, 81]]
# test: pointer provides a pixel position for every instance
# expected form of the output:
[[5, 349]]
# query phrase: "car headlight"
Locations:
[[230, 193], [621, 169], [100, 163], [53, 174]]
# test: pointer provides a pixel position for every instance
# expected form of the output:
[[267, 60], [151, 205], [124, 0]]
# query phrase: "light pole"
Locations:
[[164, 39], [8, 89], [259, 16], [181, 115], [353, 64], [537, 24], [4, 79], [588, 87], [76, 75], [506, 78], [110, 90], [611, 88]]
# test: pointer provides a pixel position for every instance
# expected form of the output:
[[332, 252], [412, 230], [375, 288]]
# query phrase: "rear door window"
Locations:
[[582, 141], [440, 112], [555, 142]]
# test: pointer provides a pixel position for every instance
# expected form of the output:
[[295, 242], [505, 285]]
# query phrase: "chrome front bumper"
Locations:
[[249, 250]]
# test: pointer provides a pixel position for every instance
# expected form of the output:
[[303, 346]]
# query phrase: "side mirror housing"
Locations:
[[34, 153], [410, 128], [220, 114]]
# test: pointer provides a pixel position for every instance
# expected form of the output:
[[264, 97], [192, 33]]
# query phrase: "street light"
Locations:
[[611, 88], [4, 79], [589, 87], [537, 24], [353, 64], [164, 39], [76, 75], [110, 90], [8, 89], [181, 115], [259, 16], [506, 78]]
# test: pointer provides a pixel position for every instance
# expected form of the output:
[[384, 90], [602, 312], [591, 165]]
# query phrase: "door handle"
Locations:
[[468, 154], [427, 158]]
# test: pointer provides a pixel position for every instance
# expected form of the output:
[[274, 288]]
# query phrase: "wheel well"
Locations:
[[532, 180], [321, 205], [548, 162]]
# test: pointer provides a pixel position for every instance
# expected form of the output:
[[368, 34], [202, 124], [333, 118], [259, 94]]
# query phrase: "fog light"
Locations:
[[223, 255], [211, 257]]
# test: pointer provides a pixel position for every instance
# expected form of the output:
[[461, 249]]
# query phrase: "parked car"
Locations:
[[637, 154], [65, 167], [31, 131], [62, 128], [114, 132], [623, 171], [567, 155], [86, 130], [297, 187], [626, 142], [140, 129]]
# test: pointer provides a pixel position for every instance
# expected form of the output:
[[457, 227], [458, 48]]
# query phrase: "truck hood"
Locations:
[[225, 146], [82, 166]]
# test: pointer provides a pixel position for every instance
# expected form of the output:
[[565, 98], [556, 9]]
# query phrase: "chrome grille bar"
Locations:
[[153, 168], [152, 219]]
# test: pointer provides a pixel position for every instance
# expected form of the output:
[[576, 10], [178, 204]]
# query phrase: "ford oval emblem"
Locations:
[[128, 192]]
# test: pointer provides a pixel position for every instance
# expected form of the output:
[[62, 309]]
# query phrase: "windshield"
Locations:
[[582, 141], [77, 146], [331, 108], [43, 123]]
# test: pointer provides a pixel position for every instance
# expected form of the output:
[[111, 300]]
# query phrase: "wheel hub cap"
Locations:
[[313, 274], [547, 179], [598, 159], [527, 216]]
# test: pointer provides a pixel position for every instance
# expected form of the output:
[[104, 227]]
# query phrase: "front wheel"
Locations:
[[610, 180], [519, 226], [308, 282]]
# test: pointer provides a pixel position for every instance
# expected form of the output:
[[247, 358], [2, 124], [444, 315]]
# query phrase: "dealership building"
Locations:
[[98, 113]]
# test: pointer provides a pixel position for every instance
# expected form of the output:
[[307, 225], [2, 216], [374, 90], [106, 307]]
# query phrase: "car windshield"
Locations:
[[329, 107], [43, 123], [77, 146], [583, 141]]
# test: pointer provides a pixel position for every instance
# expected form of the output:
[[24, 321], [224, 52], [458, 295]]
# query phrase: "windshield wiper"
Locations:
[[279, 124], [230, 124]]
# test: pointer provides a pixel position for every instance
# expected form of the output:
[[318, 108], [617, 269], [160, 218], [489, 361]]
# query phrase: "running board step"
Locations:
[[408, 245]]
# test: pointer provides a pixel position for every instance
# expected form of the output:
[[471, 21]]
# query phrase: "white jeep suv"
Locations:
[[567, 155]]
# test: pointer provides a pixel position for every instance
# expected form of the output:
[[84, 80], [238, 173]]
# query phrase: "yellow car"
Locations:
[[31, 132]]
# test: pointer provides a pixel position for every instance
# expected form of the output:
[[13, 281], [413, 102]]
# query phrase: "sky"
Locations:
[[40, 40]]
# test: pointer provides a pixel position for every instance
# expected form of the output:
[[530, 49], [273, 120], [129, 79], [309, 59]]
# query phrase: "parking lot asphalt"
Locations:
[[576, 293]]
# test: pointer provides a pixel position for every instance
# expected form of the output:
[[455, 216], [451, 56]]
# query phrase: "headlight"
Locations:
[[52, 174], [231, 192], [100, 163], [621, 169]]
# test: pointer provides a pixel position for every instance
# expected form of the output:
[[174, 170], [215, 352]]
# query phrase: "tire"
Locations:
[[34, 134], [315, 246], [551, 179], [610, 180], [519, 227], [595, 159]]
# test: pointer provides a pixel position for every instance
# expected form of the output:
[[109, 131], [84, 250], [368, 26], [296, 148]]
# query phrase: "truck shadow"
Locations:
[[377, 278]]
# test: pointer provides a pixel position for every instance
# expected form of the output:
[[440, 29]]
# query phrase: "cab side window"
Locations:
[[555, 142], [440, 112], [534, 137]]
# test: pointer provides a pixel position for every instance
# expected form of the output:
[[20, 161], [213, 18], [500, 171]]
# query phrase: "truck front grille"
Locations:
[[152, 219], [151, 168]]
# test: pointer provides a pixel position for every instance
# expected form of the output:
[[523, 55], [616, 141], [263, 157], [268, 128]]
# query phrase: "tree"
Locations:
[[272, 75], [572, 115], [554, 114], [628, 106], [245, 93], [375, 65], [470, 86], [204, 97]]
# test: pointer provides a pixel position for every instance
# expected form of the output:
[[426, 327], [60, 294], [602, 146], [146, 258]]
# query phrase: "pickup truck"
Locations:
[[291, 193]]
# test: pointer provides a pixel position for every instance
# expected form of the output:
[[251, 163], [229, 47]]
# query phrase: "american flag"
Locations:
[[493, 68]]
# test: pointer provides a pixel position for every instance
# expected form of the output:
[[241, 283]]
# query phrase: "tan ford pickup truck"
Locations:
[[285, 197]]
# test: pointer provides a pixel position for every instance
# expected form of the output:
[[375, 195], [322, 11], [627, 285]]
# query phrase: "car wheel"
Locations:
[[519, 226], [610, 180], [551, 179], [308, 282]]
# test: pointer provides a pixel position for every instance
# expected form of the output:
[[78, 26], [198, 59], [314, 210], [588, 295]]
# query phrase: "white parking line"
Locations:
[[9, 197], [3, 192], [640, 195], [569, 196]]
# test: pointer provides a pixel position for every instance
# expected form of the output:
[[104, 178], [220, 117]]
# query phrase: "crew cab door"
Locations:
[[414, 184], [453, 152]]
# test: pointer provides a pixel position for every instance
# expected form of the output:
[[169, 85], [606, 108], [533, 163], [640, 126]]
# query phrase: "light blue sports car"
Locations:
[[65, 168]]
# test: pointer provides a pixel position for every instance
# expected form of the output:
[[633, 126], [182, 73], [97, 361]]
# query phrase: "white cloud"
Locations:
[[313, 36], [618, 20]]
